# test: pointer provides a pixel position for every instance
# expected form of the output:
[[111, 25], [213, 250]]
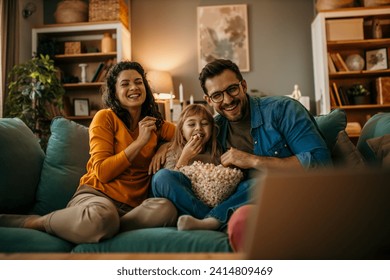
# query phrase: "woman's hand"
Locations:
[[159, 158], [145, 128]]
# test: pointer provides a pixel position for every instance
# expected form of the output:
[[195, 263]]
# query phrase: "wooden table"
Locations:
[[121, 256]]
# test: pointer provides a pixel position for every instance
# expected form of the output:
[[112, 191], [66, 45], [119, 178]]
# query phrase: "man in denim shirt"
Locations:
[[259, 133], [270, 132], [255, 133]]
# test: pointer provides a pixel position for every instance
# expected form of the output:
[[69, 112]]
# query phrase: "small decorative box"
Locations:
[[72, 47]]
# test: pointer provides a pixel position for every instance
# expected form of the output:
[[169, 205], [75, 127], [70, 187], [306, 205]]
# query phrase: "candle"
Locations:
[[191, 99], [171, 102], [181, 94]]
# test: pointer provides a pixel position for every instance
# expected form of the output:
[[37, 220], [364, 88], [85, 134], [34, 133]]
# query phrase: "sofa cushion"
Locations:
[[67, 154], [331, 124], [377, 126], [158, 240], [20, 166], [30, 241], [381, 148], [345, 152]]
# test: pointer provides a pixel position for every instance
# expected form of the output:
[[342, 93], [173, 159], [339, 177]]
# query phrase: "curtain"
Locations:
[[9, 47]]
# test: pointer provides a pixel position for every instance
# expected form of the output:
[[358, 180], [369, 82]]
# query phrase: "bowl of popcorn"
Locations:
[[211, 183]]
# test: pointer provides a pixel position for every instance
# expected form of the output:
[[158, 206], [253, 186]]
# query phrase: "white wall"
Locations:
[[164, 36]]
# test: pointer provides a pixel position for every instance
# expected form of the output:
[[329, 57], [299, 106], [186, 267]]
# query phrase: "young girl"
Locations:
[[195, 140]]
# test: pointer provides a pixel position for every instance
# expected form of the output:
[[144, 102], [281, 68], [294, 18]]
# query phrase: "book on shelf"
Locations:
[[331, 66], [383, 90], [107, 66], [339, 62], [343, 96], [67, 107], [333, 102], [97, 72], [337, 95]]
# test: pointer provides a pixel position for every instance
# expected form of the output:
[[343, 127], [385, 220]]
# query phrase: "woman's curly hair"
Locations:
[[110, 100]]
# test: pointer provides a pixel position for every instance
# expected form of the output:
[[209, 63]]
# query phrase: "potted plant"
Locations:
[[358, 94], [34, 91]]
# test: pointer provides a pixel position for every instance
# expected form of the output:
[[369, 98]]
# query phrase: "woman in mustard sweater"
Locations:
[[113, 194]]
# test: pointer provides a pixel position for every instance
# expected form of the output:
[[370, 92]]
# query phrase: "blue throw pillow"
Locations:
[[21, 159], [331, 124], [66, 158], [378, 125]]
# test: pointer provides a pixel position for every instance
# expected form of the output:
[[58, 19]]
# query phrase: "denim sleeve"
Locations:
[[303, 136], [315, 159]]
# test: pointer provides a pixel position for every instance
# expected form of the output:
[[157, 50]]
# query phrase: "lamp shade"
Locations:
[[160, 81]]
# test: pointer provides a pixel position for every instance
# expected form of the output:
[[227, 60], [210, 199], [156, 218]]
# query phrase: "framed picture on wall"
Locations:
[[81, 107], [223, 33], [376, 59]]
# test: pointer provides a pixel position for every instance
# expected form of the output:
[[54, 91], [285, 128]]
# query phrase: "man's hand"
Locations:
[[237, 158], [243, 160], [159, 158]]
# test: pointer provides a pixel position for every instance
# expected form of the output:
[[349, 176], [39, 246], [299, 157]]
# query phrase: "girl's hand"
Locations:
[[145, 128], [190, 150]]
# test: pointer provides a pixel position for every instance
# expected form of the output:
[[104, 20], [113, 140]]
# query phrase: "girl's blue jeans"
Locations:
[[176, 187]]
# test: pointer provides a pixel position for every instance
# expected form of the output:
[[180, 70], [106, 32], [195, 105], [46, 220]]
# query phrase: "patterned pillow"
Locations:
[[377, 126], [345, 152], [381, 148]]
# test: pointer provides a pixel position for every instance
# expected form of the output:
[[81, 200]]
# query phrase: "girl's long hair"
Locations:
[[149, 107], [191, 110]]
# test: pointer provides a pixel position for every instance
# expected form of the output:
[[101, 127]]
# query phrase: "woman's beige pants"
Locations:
[[91, 216]]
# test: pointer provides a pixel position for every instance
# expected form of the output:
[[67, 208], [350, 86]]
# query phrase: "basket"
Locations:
[[71, 11], [322, 5], [109, 10], [375, 3]]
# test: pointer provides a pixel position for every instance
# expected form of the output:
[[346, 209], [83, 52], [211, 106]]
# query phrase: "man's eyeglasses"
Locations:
[[232, 90]]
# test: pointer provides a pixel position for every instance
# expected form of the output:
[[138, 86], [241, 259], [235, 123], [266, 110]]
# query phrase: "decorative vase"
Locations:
[[355, 62], [83, 67], [69, 11], [107, 43], [376, 29]]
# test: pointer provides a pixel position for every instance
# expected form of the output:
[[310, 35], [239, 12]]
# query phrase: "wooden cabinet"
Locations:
[[326, 80], [88, 36]]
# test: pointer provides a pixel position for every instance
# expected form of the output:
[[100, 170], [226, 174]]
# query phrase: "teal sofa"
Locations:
[[35, 182], [32, 181]]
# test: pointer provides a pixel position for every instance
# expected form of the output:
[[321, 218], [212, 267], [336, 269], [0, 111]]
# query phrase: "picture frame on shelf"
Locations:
[[223, 33], [81, 107], [376, 59]]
